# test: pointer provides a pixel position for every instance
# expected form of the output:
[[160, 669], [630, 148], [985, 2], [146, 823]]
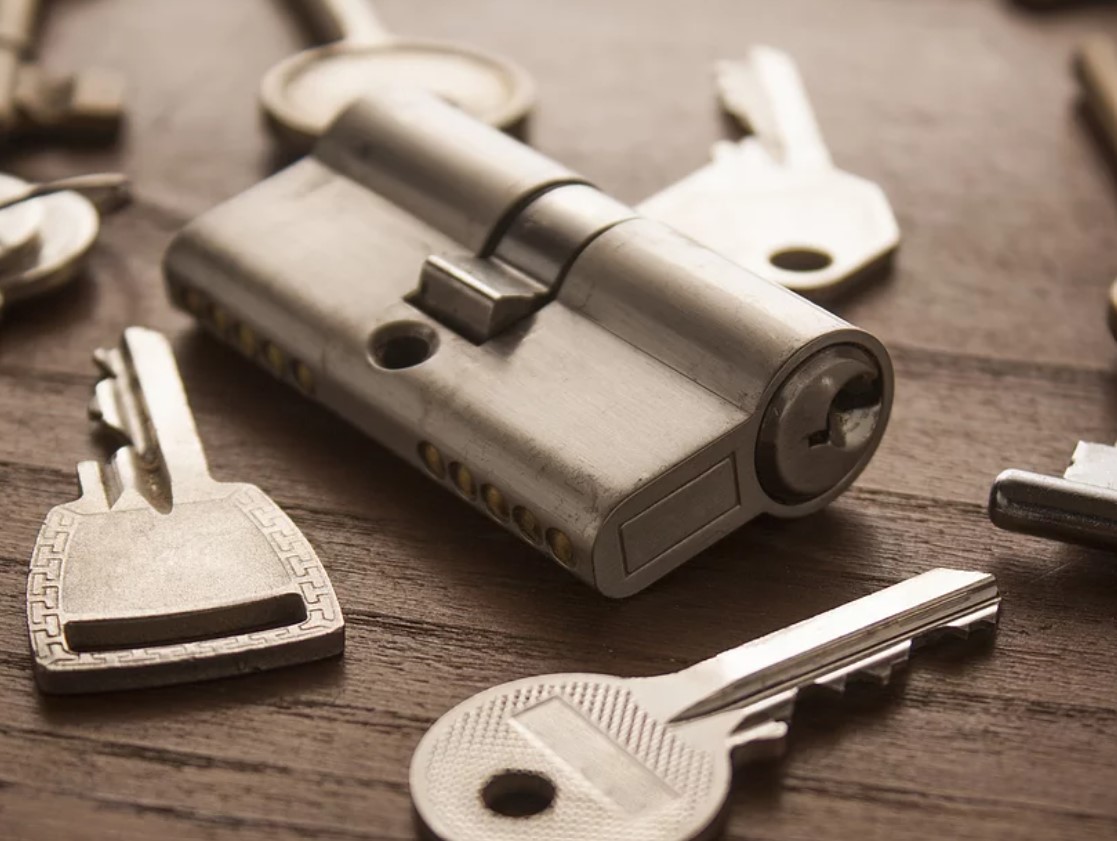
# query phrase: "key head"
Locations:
[[303, 94], [19, 224], [43, 242], [576, 757], [87, 106], [811, 229], [122, 594]]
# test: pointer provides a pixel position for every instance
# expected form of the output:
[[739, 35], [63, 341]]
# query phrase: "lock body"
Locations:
[[605, 388]]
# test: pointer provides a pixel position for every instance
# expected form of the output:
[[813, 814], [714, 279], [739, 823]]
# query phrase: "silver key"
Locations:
[[583, 757], [159, 574], [774, 202], [1079, 507], [87, 105], [46, 230], [305, 92]]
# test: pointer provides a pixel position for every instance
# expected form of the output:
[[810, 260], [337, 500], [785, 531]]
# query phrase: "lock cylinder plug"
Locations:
[[821, 426]]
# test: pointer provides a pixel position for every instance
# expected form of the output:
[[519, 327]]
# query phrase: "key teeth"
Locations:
[[835, 683], [976, 622], [91, 480], [879, 675], [877, 669], [765, 741], [736, 92], [102, 358], [104, 409]]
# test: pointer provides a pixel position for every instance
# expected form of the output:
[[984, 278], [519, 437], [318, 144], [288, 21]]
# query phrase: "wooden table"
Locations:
[[964, 111]]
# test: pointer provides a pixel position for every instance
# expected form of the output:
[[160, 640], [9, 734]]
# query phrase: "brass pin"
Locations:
[[432, 458], [495, 501], [463, 479]]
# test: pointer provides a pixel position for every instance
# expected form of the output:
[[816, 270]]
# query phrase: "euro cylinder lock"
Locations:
[[602, 386]]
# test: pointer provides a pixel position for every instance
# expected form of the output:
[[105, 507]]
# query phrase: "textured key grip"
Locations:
[[616, 773]]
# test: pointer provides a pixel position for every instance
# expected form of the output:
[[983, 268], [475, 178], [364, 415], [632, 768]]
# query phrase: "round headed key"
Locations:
[[584, 757], [303, 93]]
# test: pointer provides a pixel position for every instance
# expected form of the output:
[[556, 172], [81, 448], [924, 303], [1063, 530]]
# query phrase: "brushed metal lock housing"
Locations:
[[602, 386]]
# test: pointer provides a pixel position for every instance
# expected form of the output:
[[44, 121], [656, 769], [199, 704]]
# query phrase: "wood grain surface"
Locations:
[[964, 110]]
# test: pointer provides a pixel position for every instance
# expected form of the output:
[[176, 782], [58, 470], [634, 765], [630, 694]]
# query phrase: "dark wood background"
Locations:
[[962, 109]]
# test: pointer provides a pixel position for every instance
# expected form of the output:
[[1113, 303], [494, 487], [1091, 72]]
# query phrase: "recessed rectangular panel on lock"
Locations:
[[605, 388]]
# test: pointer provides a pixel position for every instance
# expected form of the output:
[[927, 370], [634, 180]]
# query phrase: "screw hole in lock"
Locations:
[[518, 794], [801, 260], [402, 344]]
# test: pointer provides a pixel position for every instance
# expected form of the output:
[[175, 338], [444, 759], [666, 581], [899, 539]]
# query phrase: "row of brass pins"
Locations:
[[245, 338], [492, 499]]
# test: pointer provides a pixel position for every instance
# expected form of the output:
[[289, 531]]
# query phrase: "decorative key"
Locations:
[[87, 105], [1080, 507], [583, 757], [158, 574], [46, 230], [774, 202], [302, 94]]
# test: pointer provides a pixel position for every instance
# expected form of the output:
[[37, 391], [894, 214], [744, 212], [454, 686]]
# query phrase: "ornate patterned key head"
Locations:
[[158, 574]]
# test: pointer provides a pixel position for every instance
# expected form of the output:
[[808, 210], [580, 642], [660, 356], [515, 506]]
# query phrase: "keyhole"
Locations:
[[852, 415], [518, 794]]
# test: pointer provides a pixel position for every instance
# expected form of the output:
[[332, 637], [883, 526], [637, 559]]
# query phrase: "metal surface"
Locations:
[[87, 105], [581, 757], [64, 226], [774, 201], [304, 93], [1080, 507], [501, 325], [158, 574], [819, 422]]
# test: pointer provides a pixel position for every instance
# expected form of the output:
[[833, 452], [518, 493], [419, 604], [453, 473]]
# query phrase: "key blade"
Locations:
[[766, 95], [839, 641], [114, 404], [107, 190], [142, 400], [1080, 507], [354, 21]]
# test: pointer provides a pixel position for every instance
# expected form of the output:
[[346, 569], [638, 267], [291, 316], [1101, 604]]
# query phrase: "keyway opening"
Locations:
[[822, 425], [852, 415]]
